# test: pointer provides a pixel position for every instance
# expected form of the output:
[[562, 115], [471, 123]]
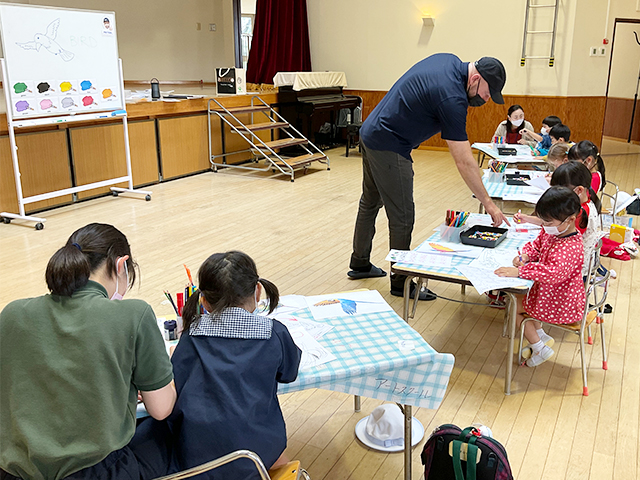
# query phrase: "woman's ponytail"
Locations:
[[68, 270], [272, 293]]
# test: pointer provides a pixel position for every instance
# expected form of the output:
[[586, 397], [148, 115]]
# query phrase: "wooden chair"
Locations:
[[592, 312], [290, 471]]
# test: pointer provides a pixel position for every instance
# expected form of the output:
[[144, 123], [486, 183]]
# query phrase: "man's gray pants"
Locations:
[[387, 179]]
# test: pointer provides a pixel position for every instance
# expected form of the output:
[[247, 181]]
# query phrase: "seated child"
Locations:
[[557, 155], [554, 262], [587, 153], [227, 367], [576, 176], [543, 139], [558, 134]]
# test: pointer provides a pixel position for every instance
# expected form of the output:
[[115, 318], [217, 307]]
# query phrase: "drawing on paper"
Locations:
[[88, 100], [67, 102], [348, 306], [22, 106], [21, 87], [440, 248], [66, 86], [46, 104], [48, 41], [44, 87], [107, 93], [86, 85]]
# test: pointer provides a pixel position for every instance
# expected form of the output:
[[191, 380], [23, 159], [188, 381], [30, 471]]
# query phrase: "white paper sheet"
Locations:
[[287, 304], [315, 329], [457, 249], [491, 258], [523, 197], [313, 354], [419, 258], [484, 280], [539, 183], [344, 304]]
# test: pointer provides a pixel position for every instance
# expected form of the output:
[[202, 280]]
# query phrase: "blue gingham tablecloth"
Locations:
[[500, 189], [456, 260], [371, 363]]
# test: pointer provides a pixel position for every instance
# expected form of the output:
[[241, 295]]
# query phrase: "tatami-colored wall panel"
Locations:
[[98, 154], [584, 115], [44, 166], [184, 145], [144, 152]]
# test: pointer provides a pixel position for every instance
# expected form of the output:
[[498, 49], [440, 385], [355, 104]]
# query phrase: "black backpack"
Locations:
[[445, 456]]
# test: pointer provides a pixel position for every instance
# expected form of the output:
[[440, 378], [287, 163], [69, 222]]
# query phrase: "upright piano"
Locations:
[[310, 109]]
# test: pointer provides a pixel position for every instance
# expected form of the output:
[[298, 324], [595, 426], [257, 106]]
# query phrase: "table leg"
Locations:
[[416, 297], [407, 442], [406, 294], [356, 403], [511, 339]]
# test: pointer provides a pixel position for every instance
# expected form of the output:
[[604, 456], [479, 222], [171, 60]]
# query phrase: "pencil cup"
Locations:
[[495, 177], [450, 234]]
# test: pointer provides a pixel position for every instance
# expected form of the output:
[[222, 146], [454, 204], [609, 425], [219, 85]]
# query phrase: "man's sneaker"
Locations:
[[540, 357], [547, 340]]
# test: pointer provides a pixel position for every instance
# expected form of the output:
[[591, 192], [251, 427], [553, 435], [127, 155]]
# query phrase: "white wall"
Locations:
[[160, 39], [376, 41], [248, 7]]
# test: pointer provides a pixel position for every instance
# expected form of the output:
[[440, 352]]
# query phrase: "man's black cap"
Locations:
[[494, 74]]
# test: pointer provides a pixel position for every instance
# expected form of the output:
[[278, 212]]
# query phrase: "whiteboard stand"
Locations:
[[13, 124]]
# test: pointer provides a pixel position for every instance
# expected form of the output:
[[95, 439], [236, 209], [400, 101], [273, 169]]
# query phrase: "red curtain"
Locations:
[[280, 40]]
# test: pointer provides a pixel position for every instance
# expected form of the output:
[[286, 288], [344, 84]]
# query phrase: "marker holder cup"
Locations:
[[451, 234], [495, 177]]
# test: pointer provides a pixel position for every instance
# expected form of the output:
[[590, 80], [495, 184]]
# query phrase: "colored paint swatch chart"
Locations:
[[60, 61]]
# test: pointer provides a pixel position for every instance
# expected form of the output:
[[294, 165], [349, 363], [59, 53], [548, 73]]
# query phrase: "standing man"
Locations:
[[432, 97]]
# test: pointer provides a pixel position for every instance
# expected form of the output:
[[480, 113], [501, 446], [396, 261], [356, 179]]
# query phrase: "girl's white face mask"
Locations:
[[116, 295], [554, 230]]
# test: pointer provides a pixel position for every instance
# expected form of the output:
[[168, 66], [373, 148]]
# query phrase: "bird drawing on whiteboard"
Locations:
[[48, 41]]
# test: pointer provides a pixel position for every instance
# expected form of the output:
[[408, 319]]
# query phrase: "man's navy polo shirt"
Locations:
[[430, 98]]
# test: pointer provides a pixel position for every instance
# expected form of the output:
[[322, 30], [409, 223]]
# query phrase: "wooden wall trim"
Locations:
[[584, 115]]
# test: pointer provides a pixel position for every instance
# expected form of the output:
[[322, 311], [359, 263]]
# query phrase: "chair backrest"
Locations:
[[612, 194], [218, 462]]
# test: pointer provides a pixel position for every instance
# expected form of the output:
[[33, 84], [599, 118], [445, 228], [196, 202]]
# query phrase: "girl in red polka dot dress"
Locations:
[[554, 262]]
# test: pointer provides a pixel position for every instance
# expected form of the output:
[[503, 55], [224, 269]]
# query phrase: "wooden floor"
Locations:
[[300, 236]]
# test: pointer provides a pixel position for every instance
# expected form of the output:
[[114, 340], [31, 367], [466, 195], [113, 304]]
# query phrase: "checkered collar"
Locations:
[[233, 322]]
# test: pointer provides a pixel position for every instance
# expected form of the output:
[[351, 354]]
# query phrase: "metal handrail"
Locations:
[[218, 462]]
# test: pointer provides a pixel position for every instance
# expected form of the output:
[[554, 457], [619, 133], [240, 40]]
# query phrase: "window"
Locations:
[[246, 34]]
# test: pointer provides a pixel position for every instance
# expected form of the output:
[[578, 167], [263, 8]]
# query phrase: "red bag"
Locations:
[[613, 249]]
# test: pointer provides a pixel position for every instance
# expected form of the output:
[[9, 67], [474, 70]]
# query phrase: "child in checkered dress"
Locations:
[[227, 367]]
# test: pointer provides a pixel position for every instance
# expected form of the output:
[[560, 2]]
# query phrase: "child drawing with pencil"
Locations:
[[554, 262], [227, 367]]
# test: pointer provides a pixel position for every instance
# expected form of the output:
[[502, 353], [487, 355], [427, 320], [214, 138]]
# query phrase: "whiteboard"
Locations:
[[60, 61]]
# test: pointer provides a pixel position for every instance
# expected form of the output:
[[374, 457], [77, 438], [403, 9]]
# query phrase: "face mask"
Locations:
[[476, 100], [517, 123], [553, 230], [116, 295], [544, 131]]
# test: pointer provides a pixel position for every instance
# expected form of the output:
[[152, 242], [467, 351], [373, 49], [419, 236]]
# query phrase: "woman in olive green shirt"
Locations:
[[72, 363]]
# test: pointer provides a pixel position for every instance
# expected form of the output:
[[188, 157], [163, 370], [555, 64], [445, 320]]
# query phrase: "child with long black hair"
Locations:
[[554, 262], [587, 153], [227, 367]]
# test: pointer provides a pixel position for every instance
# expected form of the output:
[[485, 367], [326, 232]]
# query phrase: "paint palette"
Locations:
[[484, 236]]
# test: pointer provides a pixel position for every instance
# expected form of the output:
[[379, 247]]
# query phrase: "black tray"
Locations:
[[464, 236], [505, 151], [515, 179]]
